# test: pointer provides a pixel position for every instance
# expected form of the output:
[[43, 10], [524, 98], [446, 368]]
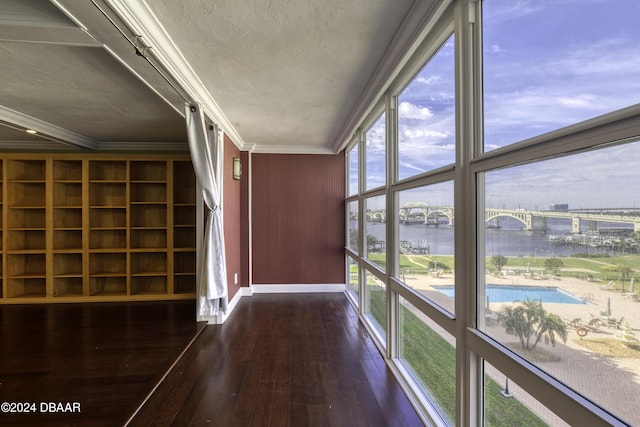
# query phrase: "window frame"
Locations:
[[464, 18]]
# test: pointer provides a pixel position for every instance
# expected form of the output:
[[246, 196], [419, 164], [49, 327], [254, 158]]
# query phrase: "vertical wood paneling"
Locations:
[[232, 217], [298, 218]]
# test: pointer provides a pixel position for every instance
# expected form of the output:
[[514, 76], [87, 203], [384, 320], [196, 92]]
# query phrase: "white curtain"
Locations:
[[204, 148]]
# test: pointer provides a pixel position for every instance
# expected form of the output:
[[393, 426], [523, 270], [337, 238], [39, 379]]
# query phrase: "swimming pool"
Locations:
[[498, 293]]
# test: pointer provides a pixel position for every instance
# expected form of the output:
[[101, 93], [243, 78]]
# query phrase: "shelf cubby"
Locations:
[[148, 263], [184, 183], [27, 194], [67, 286], [67, 265], [108, 194], [108, 217], [67, 194], [26, 218], [148, 170], [26, 275], [108, 170], [26, 240], [26, 170], [29, 287], [148, 285], [184, 272], [184, 283], [148, 192], [184, 238], [67, 240], [108, 264], [148, 215], [148, 238], [67, 218], [108, 238], [108, 286], [184, 215], [67, 170]]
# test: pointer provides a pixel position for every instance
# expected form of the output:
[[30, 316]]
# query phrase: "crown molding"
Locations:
[[289, 149], [47, 130], [139, 18], [144, 146]]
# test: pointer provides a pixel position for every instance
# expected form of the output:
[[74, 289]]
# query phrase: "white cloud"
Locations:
[[424, 134], [496, 48], [407, 110], [428, 80]]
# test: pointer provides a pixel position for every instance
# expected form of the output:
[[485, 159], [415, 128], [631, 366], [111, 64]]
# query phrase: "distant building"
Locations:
[[560, 207]]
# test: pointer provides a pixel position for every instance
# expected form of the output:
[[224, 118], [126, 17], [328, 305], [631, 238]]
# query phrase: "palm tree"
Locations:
[[531, 323]]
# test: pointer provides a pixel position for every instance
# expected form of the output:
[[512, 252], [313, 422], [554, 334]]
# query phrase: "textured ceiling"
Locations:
[[285, 73], [283, 76]]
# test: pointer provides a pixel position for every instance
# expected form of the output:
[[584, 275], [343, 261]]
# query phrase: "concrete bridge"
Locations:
[[527, 217], [423, 213]]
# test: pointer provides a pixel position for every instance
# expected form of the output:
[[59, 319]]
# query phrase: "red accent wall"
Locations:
[[231, 210], [297, 218]]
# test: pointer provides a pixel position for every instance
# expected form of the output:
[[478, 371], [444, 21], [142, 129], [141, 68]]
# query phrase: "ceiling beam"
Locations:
[[46, 130], [67, 36]]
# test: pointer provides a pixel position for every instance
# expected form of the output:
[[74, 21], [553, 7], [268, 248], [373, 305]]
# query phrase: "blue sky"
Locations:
[[552, 63], [547, 64]]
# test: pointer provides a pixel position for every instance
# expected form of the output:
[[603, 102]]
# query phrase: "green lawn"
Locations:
[[432, 360], [601, 268]]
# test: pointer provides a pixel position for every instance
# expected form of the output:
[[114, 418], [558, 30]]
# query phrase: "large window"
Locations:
[[375, 230], [376, 154], [548, 65], [426, 241], [561, 251], [352, 171], [353, 226], [494, 243], [426, 117], [429, 353], [376, 303]]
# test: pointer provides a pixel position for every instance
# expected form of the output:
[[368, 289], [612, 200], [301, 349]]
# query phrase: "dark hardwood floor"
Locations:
[[281, 360], [104, 358]]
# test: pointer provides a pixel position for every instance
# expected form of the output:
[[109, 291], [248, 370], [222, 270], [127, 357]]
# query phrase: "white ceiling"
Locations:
[[277, 75]]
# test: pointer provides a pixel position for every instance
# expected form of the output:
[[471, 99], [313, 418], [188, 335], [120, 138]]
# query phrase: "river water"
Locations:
[[508, 240]]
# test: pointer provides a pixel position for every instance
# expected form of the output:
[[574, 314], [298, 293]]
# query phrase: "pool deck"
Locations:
[[613, 382]]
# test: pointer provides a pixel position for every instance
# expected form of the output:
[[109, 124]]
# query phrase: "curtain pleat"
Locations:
[[204, 148]]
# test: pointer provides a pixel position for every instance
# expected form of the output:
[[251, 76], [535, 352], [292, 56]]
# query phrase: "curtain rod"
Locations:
[[142, 52]]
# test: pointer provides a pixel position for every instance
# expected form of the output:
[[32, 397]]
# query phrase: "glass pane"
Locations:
[[426, 116], [426, 231], [507, 404], [429, 353], [561, 266], [375, 154], [376, 306], [354, 278], [375, 230], [352, 225], [552, 64], [352, 172]]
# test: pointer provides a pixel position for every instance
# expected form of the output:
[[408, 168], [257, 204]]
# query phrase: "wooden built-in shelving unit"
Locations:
[[97, 228]]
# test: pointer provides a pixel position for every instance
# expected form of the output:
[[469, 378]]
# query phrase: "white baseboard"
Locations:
[[270, 289], [298, 288]]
